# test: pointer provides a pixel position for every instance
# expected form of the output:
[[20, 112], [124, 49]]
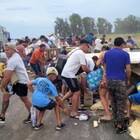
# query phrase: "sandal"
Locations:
[[74, 117], [104, 119]]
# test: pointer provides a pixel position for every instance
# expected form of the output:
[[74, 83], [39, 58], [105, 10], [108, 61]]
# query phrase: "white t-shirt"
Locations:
[[30, 48], [98, 45], [15, 63], [90, 63], [75, 60], [39, 42], [47, 45]]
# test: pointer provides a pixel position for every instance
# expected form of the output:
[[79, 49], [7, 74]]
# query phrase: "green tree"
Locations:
[[59, 25], [62, 27], [130, 24], [109, 28], [76, 24], [67, 28], [89, 25], [118, 25], [104, 27]]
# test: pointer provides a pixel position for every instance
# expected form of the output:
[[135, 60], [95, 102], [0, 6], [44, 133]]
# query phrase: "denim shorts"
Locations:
[[36, 68]]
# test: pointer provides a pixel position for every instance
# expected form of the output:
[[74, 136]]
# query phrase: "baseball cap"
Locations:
[[52, 70], [10, 45], [83, 41]]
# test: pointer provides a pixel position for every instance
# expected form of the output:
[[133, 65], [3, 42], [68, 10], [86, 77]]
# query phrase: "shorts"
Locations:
[[36, 68], [64, 82], [72, 84], [50, 106], [20, 89]]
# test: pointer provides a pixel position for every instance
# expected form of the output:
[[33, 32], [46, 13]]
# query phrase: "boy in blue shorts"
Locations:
[[133, 98], [42, 88]]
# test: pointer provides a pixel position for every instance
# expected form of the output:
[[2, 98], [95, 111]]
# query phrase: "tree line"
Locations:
[[76, 26]]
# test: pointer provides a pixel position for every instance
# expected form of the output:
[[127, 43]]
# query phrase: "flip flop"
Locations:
[[103, 119], [74, 117]]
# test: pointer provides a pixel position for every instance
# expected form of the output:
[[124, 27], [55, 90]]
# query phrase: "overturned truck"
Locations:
[[4, 37]]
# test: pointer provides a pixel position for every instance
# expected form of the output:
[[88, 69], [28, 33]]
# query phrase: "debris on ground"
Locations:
[[135, 129], [95, 124], [97, 106]]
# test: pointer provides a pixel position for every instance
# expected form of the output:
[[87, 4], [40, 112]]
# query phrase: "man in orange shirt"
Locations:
[[37, 60]]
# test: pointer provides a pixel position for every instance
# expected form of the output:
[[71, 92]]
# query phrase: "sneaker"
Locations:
[[126, 121], [59, 127], [81, 110], [37, 127], [121, 130], [2, 120], [27, 121]]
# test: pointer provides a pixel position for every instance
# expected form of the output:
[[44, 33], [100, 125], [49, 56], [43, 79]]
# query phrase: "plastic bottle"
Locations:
[[10, 89], [33, 111]]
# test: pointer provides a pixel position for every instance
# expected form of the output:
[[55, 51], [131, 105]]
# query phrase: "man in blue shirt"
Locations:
[[118, 72], [90, 38], [131, 41], [40, 99]]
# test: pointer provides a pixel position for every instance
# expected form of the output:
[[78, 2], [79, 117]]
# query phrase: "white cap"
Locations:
[[52, 70], [10, 45]]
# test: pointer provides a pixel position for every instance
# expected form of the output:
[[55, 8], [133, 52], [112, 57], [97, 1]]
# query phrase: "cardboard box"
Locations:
[[88, 100]]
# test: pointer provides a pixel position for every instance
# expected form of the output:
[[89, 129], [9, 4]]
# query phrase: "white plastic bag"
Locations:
[[33, 111], [83, 117]]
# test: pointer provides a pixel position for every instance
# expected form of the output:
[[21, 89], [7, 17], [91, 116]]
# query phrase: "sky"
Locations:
[[36, 17]]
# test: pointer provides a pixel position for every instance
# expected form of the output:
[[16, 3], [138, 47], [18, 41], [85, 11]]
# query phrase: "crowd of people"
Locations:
[[31, 54]]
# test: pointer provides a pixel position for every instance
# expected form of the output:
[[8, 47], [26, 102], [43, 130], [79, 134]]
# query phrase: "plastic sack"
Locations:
[[94, 78], [84, 117], [33, 112]]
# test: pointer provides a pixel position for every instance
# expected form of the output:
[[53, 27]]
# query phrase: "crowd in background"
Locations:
[[31, 55]]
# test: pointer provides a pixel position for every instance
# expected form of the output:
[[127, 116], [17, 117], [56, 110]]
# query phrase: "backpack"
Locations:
[[61, 63], [62, 59]]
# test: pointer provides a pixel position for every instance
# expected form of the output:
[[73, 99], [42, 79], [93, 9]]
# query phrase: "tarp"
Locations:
[[134, 56]]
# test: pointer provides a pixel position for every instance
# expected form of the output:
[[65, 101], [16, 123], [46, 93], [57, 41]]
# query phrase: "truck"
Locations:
[[4, 37]]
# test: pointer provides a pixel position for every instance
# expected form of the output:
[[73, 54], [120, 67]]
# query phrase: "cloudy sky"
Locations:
[[36, 17]]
